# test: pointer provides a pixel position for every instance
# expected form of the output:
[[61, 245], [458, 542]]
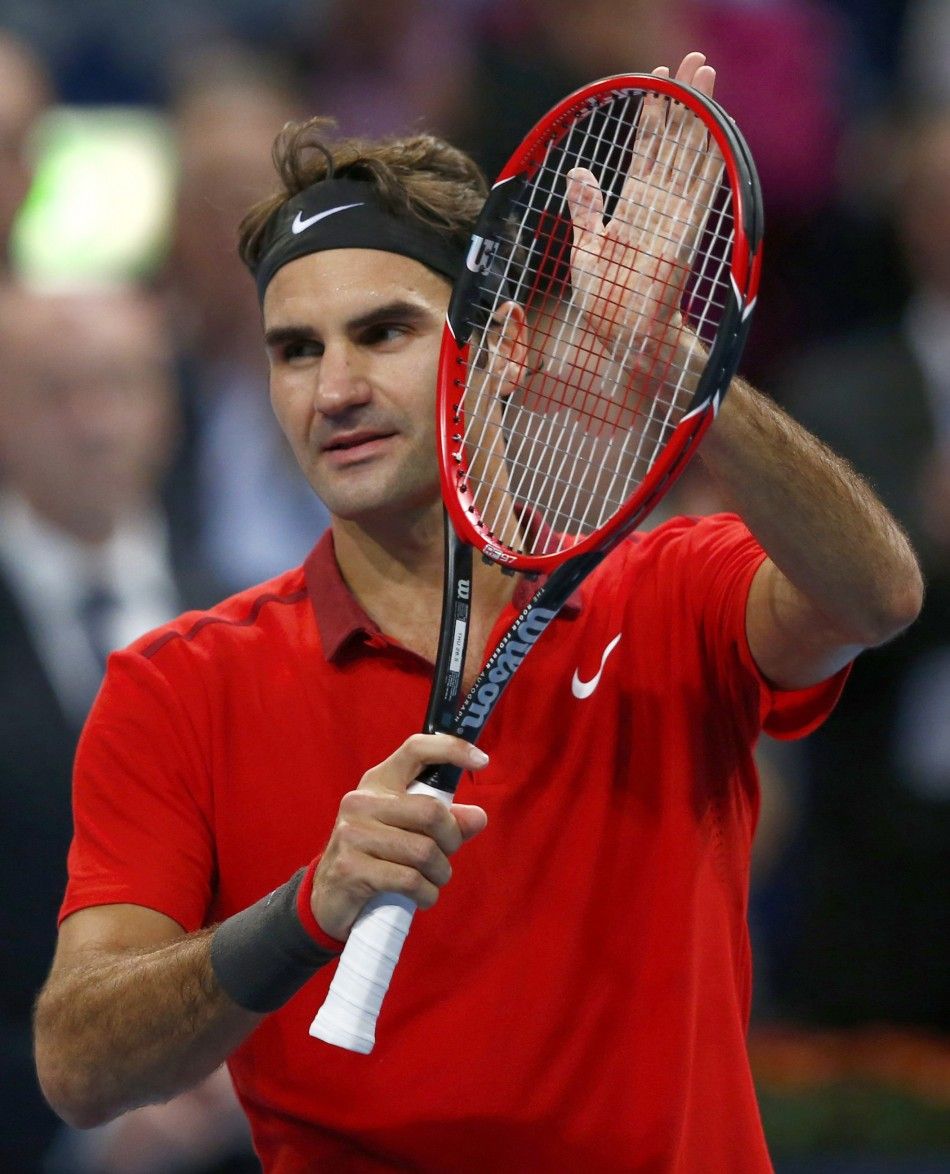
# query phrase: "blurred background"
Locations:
[[140, 472]]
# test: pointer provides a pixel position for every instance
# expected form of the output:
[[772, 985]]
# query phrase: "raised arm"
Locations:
[[135, 1010], [841, 575]]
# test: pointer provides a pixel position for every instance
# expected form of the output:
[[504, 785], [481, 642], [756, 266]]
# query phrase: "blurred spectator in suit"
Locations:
[[872, 938], [25, 93], [87, 422], [251, 513]]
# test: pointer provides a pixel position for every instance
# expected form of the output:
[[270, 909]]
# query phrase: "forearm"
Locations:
[[819, 522], [124, 1029]]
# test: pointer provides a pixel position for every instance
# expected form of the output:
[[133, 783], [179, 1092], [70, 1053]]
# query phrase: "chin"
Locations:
[[368, 509], [390, 498]]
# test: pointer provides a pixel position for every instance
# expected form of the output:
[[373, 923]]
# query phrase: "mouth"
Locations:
[[356, 446]]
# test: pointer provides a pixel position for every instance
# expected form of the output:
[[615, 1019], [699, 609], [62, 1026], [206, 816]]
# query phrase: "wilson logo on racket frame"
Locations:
[[503, 665], [481, 253]]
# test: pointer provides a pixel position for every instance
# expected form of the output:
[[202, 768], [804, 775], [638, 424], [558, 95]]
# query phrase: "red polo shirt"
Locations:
[[579, 996]]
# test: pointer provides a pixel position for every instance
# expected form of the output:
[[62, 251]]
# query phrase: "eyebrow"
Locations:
[[403, 310]]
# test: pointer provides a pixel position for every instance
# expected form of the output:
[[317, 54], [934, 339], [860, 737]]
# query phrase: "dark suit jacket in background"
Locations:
[[37, 744]]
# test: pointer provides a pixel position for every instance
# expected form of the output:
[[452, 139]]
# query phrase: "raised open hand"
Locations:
[[629, 273]]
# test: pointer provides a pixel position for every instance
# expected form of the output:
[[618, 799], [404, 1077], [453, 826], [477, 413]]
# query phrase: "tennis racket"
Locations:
[[607, 294]]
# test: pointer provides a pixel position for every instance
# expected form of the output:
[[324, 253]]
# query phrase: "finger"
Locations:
[[683, 137], [387, 843], [394, 845], [364, 857], [586, 203], [704, 80], [652, 114], [689, 66], [344, 886], [471, 820], [684, 156], [650, 126], [363, 812], [397, 772]]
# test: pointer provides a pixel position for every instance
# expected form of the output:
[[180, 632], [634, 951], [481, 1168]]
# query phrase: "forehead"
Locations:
[[336, 284], [98, 321]]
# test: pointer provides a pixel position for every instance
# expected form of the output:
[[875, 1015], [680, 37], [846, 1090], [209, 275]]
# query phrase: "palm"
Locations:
[[629, 273]]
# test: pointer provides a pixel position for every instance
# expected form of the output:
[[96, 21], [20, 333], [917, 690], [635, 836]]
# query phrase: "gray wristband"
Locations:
[[263, 955]]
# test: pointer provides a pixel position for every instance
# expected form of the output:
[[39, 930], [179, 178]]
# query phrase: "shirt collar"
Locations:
[[340, 619], [343, 623], [49, 562]]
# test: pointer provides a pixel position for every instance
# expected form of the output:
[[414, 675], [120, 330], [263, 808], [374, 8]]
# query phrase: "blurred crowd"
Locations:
[[141, 473]]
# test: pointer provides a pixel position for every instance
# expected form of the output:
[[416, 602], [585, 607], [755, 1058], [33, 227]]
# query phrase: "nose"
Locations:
[[342, 382]]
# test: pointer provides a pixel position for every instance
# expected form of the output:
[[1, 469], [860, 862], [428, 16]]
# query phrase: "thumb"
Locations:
[[471, 820]]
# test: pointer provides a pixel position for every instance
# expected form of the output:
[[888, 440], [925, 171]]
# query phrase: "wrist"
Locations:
[[305, 911], [263, 955]]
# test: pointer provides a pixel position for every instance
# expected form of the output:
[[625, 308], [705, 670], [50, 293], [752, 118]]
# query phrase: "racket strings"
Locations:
[[588, 422]]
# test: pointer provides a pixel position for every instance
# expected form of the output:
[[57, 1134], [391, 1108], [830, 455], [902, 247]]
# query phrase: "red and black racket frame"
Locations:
[[564, 570]]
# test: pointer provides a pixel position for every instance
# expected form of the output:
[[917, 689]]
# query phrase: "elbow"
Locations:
[[897, 608], [66, 1095], [75, 1112], [69, 1086], [69, 1098]]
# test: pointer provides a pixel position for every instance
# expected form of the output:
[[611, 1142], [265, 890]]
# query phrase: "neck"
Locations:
[[407, 548], [89, 527], [397, 579]]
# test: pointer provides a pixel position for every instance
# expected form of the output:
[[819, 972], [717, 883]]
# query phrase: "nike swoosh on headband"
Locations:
[[582, 689], [300, 223]]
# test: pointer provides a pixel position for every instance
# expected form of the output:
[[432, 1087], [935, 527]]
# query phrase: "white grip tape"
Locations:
[[348, 1016]]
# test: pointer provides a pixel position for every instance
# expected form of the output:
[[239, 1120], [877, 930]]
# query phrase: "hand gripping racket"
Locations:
[[607, 295]]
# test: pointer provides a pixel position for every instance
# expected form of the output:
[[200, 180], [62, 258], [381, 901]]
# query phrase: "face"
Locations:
[[86, 406], [353, 339]]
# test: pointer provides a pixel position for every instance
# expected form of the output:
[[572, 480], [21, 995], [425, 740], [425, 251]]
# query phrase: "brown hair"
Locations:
[[420, 176]]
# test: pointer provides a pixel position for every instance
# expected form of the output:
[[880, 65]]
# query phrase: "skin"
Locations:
[[87, 405], [353, 340]]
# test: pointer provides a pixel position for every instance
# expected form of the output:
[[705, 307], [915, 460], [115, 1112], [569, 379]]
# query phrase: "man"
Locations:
[[87, 423], [581, 992]]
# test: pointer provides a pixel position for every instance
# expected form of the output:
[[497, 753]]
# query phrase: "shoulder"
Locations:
[[278, 605], [173, 680], [683, 544], [691, 573]]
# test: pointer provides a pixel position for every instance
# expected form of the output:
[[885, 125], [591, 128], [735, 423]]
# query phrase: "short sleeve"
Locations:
[[720, 558], [141, 800]]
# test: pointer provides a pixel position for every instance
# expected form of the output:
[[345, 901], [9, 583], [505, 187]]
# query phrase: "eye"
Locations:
[[301, 349], [383, 333]]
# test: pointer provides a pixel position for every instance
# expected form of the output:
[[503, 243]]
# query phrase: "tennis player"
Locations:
[[579, 996]]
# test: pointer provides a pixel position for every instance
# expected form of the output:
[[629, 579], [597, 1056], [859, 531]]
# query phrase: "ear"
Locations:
[[509, 327]]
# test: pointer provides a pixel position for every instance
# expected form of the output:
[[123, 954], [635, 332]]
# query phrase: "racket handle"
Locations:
[[348, 1016]]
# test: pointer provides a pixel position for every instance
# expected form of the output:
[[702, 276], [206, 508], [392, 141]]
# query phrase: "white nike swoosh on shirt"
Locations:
[[300, 224], [582, 689]]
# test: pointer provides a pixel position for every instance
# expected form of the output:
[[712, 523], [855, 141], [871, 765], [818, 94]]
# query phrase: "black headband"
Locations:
[[348, 214]]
